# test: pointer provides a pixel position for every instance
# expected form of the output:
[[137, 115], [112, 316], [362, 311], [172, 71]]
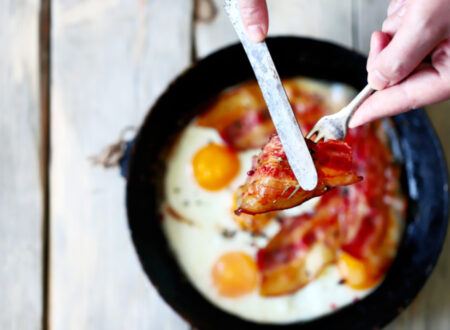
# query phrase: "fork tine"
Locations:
[[334, 126], [312, 132], [319, 137]]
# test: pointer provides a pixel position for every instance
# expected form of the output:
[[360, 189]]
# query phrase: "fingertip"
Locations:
[[376, 35], [359, 117], [256, 32], [255, 18]]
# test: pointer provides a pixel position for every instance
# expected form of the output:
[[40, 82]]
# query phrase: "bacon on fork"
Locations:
[[271, 184], [243, 121]]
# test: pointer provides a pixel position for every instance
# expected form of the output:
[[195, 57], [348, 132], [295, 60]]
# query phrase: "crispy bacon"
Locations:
[[240, 116], [249, 131], [243, 121], [272, 185], [369, 215], [357, 219], [254, 223], [302, 248]]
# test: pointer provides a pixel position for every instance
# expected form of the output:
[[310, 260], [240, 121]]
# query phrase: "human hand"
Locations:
[[255, 18], [413, 31]]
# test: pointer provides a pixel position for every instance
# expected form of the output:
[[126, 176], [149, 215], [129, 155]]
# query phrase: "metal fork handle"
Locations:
[[348, 111]]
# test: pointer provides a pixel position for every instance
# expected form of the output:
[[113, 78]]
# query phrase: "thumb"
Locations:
[[255, 18], [410, 45]]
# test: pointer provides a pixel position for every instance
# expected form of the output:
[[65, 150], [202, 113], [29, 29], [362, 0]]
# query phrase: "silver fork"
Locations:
[[334, 127]]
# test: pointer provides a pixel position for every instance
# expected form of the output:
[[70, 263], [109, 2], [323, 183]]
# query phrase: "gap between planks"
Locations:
[[44, 86]]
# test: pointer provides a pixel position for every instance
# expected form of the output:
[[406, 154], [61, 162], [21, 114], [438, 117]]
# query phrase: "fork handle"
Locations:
[[356, 102]]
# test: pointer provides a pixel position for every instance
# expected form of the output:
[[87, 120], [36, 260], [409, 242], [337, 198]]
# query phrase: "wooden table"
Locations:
[[73, 75]]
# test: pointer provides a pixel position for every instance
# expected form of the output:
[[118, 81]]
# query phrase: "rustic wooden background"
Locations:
[[73, 74]]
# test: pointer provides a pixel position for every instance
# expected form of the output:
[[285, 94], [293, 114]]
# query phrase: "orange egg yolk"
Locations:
[[355, 272], [215, 166], [235, 274]]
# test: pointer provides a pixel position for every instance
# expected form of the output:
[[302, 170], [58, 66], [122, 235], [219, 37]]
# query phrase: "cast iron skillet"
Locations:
[[426, 185]]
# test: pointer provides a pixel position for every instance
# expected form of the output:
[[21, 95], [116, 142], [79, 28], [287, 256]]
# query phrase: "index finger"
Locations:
[[255, 18]]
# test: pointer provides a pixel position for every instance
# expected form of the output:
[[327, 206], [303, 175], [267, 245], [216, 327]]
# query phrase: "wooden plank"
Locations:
[[368, 17], [110, 60], [215, 34], [322, 19], [430, 308], [21, 198], [319, 19]]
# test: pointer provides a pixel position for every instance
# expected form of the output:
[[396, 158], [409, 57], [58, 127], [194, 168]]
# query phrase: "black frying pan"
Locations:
[[425, 182]]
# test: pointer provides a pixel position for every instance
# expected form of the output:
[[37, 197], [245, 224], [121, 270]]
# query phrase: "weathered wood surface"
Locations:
[[21, 205], [368, 17], [319, 19], [110, 60]]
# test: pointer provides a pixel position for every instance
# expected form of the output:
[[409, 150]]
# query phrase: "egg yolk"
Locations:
[[355, 272], [235, 274], [215, 166]]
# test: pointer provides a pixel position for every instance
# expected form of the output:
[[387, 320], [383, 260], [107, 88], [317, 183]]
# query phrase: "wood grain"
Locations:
[[368, 17], [21, 204], [323, 19], [110, 60]]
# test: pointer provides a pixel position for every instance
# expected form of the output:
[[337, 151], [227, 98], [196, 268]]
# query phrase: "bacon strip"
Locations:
[[302, 248], [272, 184], [357, 219], [241, 117], [369, 216]]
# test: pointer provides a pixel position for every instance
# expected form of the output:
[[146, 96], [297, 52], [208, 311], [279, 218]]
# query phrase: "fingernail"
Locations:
[[377, 80], [255, 33]]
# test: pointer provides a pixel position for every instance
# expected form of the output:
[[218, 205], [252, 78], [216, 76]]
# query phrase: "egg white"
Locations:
[[197, 245]]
